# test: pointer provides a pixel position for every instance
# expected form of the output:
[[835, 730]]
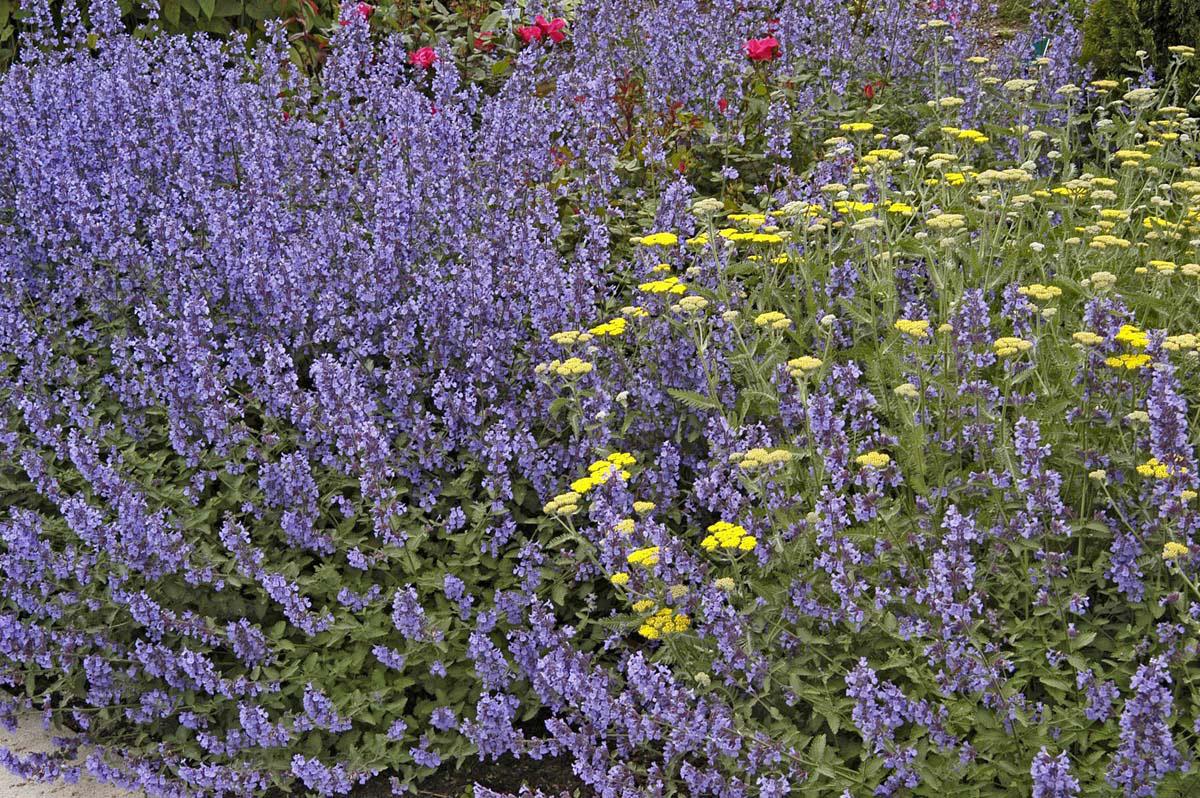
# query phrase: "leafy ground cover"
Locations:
[[720, 400]]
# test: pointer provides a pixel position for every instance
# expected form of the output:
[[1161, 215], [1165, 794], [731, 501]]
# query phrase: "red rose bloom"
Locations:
[[552, 29], [423, 58], [765, 49], [530, 33]]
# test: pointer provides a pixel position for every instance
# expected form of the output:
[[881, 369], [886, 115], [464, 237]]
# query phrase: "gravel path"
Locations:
[[30, 737]]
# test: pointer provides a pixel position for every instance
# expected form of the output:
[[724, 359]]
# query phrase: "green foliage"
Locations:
[[1115, 31]]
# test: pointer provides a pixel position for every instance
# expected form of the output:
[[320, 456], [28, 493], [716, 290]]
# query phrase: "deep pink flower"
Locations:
[[552, 28], [423, 58], [530, 33], [765, 49]]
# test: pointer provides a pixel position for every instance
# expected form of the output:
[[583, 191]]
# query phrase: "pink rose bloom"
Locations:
[[423, 58], [765, 49]]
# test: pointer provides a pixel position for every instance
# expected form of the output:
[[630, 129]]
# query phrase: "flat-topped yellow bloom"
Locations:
[[570, 337], [645, 557], [620, 579], [853, 206], [873, 460], [725, 535], [1132, 337], [1088, 338], [641, 508], [759, 457], [856, 127], [563, 504], [571, 367], [1041, 293], [752, 219], [1009, 346], [611, 327], [886, 154], [625, 526], [667, 285], [1158, 470], [901, 208], [1105, 240], [947, 221], [659, 240], [1129, 362], [914, 328], [1173, 551], [773, 319], [664, 622], [1179, 343], [804, 365]]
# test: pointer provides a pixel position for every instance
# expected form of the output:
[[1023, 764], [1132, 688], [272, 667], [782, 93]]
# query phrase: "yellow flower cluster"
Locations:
[[1173, 551], [1042, 293], [901, 209], [728, 536], [664, 622], [571, 367], [947, 221], [659, 240], [1158, 470], [1009, 346], [758, 458], [1132, 337], [667, 285], [1105, 241], [1178, 343], [643, 507], [624, 527], [773, 319], [570, 337], [800, 367], [853, 206], [611, 327], [884, 154], [600, 471], [620, 579], [968, 135], [1088, 338], [563, 504], [914, 328], [645, 557], [856, 127], [1129, 362], [873, 460], [733, 234]]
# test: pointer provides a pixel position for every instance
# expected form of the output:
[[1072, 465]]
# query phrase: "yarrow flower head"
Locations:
[[1173, 551], [725, 535], [873, 459]]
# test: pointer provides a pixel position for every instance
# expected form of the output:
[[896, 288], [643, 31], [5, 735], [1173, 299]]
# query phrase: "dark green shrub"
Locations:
[[1116, 30]]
